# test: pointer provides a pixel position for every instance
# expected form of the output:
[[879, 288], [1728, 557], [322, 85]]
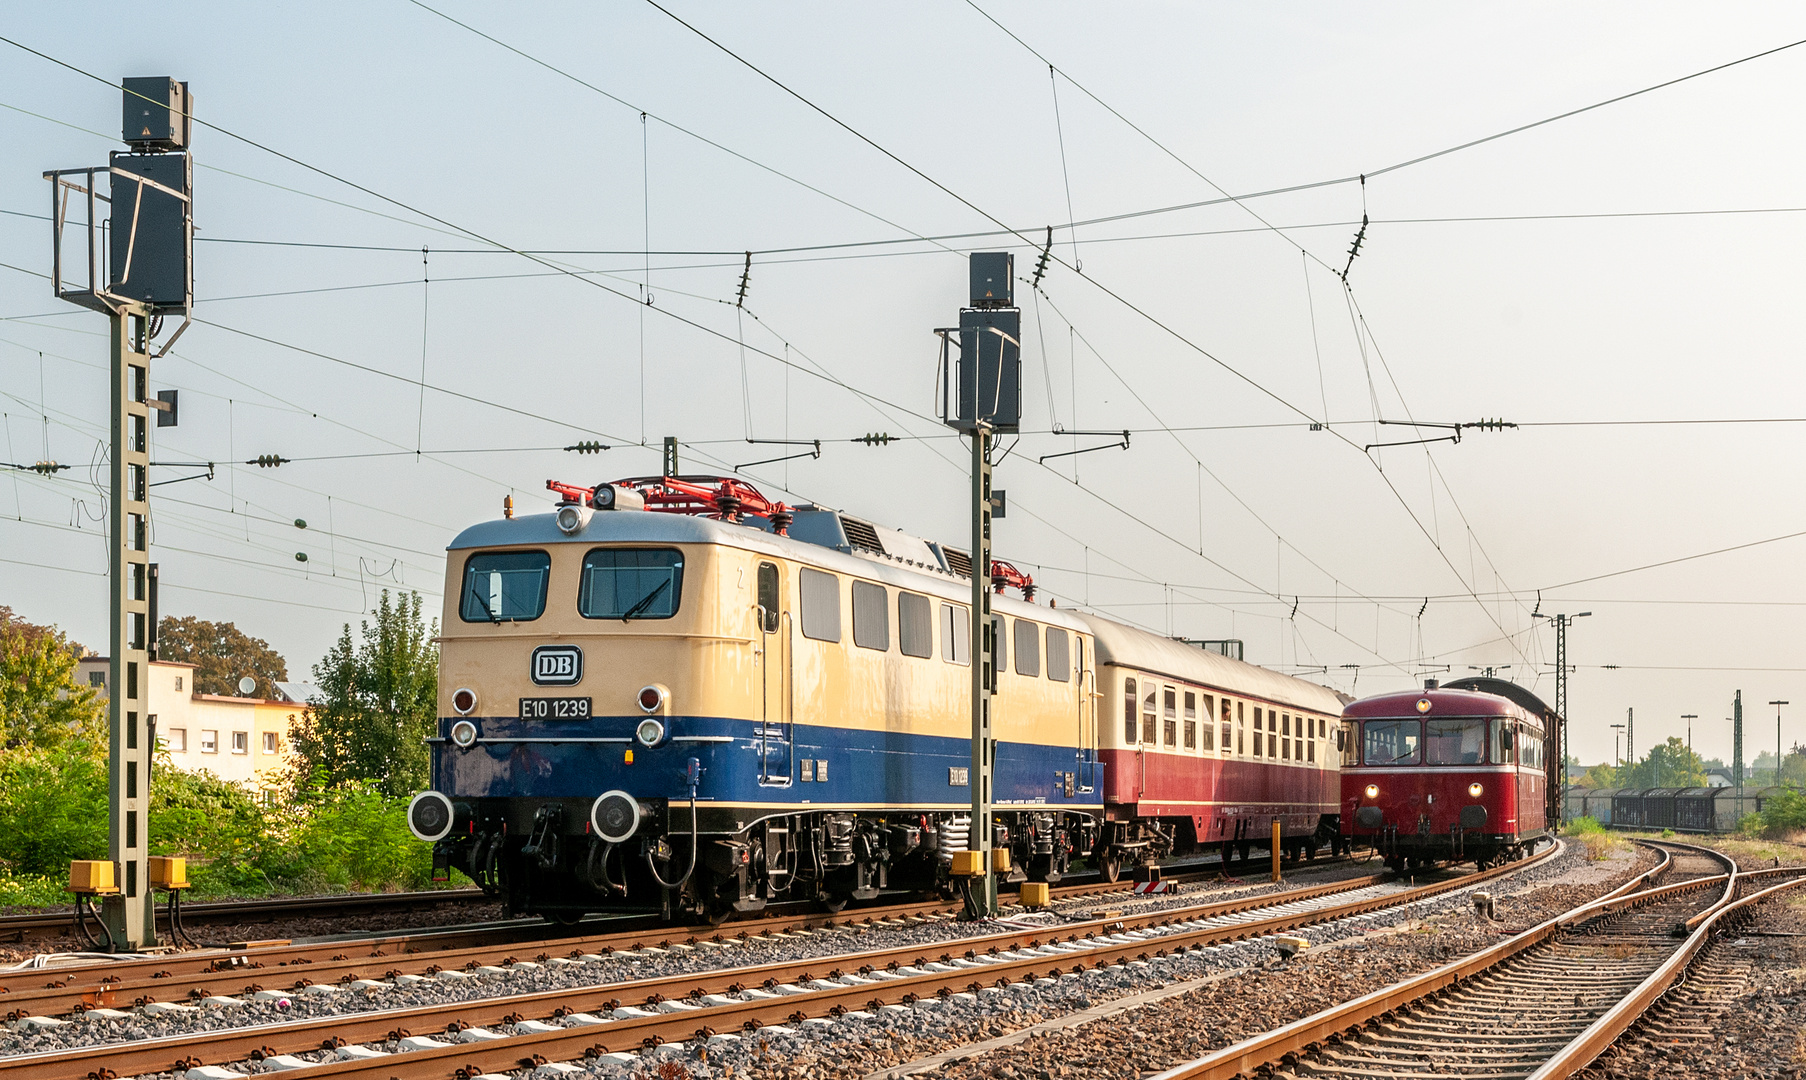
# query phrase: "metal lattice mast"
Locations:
[[984, 900], [1737, 739], [1561, 693], [1630, 735]]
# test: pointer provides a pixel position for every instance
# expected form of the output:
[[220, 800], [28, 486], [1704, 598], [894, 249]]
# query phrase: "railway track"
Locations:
[[1541, 1005], [51, 924], [615, 1021]]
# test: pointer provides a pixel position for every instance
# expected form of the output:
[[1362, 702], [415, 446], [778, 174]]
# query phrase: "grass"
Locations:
[[1598, 841]]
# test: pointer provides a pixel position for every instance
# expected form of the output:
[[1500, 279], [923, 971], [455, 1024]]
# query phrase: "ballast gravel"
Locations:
[[1244, 987]]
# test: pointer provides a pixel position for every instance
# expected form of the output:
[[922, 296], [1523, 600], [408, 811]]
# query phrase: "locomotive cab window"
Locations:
[[821, 604], [505, 586], [1460, 741], [956, 635], [915, 625], [630, 583], [1028, 648], [1391, 742], [871, 616], [768, 597], [1059, 655]]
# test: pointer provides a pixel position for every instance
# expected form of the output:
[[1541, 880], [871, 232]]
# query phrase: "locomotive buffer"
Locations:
[[986, 390]]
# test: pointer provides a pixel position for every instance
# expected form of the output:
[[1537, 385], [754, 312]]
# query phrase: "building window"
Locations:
[[178, 682], [871, 616], [241, 742], [209, 742], [97, 678], [269, 742], [1128, 712], [175, 740]]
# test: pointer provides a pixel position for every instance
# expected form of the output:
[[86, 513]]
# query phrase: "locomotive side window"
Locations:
[[1148, 716], [1128, 712], [956, 635], [821, 604], [1391, 742], [1455, 742], [505, 586], [1059, 655], [768, 597], [1169, 729], [1504, 744], [871, 616], [630, 583], [915, 625], [1028, 648]]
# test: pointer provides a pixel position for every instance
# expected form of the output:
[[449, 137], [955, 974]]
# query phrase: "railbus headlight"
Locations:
[[650, 733], [1474, 790], [464, 733], [1373, 791]]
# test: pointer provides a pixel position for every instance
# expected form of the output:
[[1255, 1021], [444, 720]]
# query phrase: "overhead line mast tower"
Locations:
[[139, 268]]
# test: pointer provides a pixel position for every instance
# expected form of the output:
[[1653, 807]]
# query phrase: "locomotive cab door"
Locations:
[[777, 730]]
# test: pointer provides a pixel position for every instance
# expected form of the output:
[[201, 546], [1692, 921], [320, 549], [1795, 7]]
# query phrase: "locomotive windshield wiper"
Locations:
[[478, 597], [645, 601]]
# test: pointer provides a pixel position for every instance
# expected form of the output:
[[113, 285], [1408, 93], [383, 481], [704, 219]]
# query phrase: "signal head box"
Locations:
[[157, 112], [993, 279]]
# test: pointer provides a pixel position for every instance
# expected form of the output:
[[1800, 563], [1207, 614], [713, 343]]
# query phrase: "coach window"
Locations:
[[1455, 742], [871, 616], [1310, 744], [1149, 715], [821, 604], [1504, 742], [1391, 742], [1128, 712], [1285, 743], [630, 583], [1272, 733], [505, 586], [1170, 727], [1059, 655], [1191, 722], [915, 625], [1028, 648], [1260, 736], [1241, 728], [956, 635]]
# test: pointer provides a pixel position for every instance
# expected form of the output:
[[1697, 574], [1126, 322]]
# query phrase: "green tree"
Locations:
[[40, 702], [221, 654], [1601, 776], [379, 701], [1668, 764]]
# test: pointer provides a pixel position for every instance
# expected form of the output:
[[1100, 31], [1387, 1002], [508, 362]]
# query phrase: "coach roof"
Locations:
[[1125, 647]]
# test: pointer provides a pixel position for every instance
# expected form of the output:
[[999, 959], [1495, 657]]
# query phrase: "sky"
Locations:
[[1607, 281]]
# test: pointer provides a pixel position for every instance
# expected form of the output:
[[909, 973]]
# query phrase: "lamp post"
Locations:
[[1689, 717], [1617, 758], [1777, 705]]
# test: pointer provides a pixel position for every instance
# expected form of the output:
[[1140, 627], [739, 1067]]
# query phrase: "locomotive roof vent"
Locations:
[[1430, 684]]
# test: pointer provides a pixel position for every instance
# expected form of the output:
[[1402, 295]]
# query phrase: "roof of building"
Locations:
[[298, 692]]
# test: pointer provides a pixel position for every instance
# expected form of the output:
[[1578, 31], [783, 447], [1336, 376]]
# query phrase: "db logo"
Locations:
[[558, 665]]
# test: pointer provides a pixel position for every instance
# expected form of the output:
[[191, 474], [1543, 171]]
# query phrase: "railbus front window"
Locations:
[[631, 583], [1459, 741], [1391, 742], [505, 586]]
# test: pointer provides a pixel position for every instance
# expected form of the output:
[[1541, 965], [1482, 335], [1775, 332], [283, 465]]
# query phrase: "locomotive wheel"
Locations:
[[1109, 868], [834, 903], [719, 913], [564, 918], [1310, 850]]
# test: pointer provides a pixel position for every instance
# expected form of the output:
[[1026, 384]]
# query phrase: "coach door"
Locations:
[[777, 733], [1087, 720]]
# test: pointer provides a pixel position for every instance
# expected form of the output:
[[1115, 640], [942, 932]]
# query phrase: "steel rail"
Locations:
[[878, 985], [1606, 1030], [18, 928], [1273, 1046], [226, 978]]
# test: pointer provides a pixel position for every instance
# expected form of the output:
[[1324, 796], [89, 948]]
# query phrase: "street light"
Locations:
[[1689, 717], [1777, 705], [1616, 756]]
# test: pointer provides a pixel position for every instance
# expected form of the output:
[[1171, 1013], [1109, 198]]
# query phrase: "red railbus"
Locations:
[[1457, 773]]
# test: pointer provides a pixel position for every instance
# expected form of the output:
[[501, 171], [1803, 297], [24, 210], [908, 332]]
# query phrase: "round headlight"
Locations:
[[650, 732], [572, 518], [464, 733], [1474, 790], [430, 816], [651, 697], [464, 700], [1373, 791]]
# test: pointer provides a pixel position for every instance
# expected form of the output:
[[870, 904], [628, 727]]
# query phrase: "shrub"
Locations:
[[1667, 834], [1583, 826]]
